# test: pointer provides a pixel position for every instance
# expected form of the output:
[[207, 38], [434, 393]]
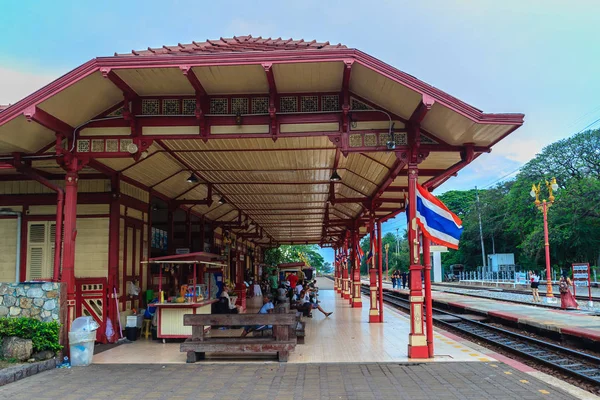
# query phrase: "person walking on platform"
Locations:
[[404, 279], [567, 300], [394, 279], [535, 283]]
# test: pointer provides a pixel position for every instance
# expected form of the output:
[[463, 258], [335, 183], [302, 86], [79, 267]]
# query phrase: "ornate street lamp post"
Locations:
[[387, 262], [543, 206]]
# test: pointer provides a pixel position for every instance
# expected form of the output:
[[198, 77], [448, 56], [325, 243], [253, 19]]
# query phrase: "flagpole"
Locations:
[[428, 299]]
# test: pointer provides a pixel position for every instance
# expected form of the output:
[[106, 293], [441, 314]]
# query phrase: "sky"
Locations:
[[537, 57]]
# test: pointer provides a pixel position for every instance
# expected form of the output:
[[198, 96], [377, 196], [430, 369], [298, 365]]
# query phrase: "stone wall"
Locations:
[[42, 301]]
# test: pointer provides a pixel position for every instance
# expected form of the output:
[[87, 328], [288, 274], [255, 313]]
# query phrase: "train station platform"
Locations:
[[344, 357], [568, 323]]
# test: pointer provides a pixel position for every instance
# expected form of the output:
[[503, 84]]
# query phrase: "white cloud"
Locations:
[[16, 84], [517, 149]]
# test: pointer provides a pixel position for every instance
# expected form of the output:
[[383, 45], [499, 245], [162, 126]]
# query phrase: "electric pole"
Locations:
[[480, 228]]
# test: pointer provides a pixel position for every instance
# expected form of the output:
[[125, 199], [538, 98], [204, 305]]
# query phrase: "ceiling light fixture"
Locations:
[[335, 177], [238, 118], [222, 200], [192, 179], [391, 144]]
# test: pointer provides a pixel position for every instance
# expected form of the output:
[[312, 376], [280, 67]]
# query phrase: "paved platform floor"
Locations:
[[345, 336], [439, 381]]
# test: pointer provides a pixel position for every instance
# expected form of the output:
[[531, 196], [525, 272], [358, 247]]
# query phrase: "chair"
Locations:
[[146, 328]]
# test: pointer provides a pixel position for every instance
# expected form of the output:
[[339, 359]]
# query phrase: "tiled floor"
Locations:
[[345, 336], [439, 381]]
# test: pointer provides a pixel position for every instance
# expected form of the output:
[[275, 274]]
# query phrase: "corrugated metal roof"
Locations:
[[235, 44]]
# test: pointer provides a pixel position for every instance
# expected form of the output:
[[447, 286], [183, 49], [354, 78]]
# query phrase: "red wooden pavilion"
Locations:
[[231, 146]]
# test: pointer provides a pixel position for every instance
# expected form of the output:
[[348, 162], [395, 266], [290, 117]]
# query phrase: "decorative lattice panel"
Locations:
[[239, 105], [83, 146], [260, 105], [218, 106], [330, 102], [309, 103], [427, 140], [150, 107], [288, 104], [97, 145], [189, 106], [355, 140], [171, 107], [112, 145], [371, 140], [359, 105], [401, 139], [125, 143], [384, 138]]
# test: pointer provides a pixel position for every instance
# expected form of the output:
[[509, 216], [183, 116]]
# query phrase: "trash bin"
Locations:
[[131, 333], [81, 341]]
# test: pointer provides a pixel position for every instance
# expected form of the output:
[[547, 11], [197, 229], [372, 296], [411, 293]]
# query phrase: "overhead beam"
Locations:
[[128, 92], [48, 121], [345, 94], [202, 104], [273, 100], [422, 109]]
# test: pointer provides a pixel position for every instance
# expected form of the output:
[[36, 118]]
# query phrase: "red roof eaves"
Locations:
[[258, 57]]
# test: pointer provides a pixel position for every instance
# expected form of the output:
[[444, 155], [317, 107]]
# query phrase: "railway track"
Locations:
[[500, 290], [570, 362]]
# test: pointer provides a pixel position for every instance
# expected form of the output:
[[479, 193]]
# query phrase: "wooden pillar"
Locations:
[[202, 237], [188, 229], [346, 278], [373, 310], [113, 252], [428, 299], [380, 270], [335, 270], [417, 343], [356, 295], [171, 233], [70, 226]]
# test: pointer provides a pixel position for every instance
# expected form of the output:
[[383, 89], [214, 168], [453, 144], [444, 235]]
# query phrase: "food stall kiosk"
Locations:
[[195, 296]]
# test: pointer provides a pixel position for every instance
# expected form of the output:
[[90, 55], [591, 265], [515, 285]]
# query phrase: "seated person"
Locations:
[[281, 294], [267, 308], [310, 305], [225, 306]]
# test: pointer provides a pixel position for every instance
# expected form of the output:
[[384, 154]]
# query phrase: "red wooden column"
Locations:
[[380, 270], [428, 299], [417, 343], [346, 286], [356, 297], [335, 271], [350, 263], [70, 232], [113, 251], [171, 233], [373, 311]]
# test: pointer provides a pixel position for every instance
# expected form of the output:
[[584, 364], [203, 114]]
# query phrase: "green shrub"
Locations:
[[45, 335]]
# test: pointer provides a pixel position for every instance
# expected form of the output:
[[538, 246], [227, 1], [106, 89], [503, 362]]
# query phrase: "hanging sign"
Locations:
[[581, 277], [182, 251]]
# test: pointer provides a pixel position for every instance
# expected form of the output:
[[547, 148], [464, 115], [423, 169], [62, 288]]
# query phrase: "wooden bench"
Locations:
[[281, 342], [298, 329]]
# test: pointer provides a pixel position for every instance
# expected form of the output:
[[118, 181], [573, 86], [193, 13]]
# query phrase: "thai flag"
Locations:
[[360, 252], [437, 223], [369, 256]]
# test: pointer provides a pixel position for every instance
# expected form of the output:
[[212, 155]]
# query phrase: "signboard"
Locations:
[[581, 277], [521, 278], [182, 251]]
